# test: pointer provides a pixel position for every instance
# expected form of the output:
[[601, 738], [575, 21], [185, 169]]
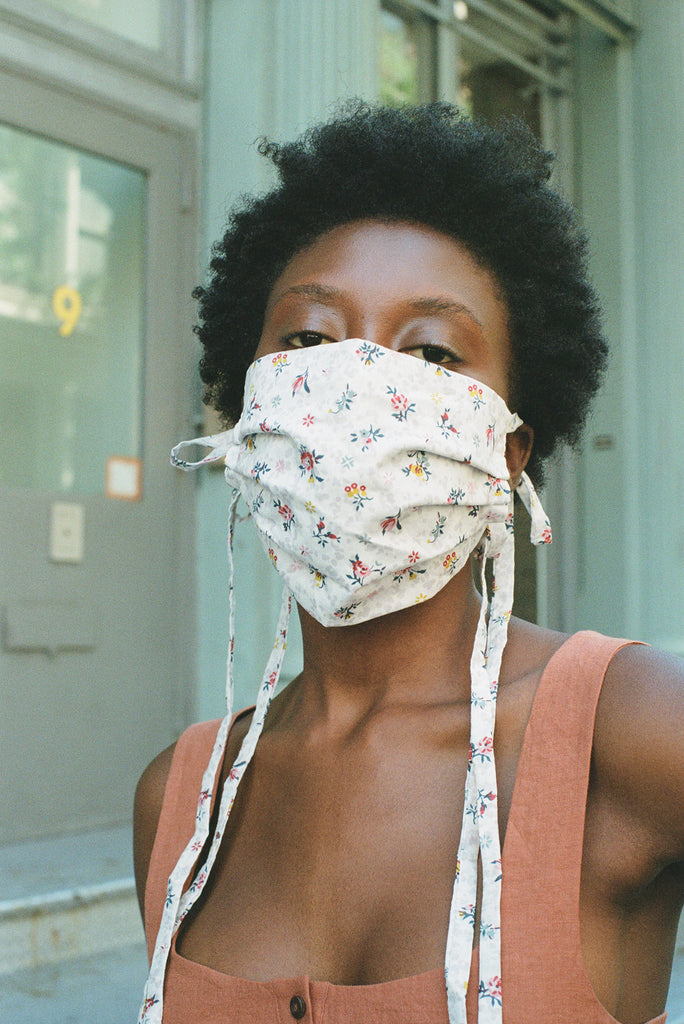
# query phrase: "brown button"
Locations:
[[297, 1007]]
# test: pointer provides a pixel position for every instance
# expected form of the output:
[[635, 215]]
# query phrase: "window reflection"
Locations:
[[408, 43], [72, 236]]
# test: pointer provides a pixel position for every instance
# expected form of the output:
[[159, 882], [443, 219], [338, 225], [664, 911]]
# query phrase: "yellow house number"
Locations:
[[67, 306]]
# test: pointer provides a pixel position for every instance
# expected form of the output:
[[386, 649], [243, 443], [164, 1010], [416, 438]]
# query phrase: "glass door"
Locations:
[[96, 367], [73, 237]]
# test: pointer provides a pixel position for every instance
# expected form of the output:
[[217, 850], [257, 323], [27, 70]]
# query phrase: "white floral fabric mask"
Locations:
[[372, 476]]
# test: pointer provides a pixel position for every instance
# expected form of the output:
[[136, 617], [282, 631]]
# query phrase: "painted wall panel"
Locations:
[[659, 96], [272, 68]]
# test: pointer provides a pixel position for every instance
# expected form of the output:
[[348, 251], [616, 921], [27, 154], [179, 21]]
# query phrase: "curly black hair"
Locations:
[[485, 186]]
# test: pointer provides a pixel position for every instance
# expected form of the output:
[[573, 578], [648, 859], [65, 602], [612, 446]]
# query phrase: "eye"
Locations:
[[307, 339], [434, 354]]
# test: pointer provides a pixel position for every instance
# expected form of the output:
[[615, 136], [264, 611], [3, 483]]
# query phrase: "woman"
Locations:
[[372, 477]]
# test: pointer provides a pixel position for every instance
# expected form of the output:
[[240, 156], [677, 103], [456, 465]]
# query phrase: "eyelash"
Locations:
[[445, 354], [310, 339], [322, 339]]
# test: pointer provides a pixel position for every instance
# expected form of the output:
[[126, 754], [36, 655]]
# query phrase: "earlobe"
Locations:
[[518, 451]]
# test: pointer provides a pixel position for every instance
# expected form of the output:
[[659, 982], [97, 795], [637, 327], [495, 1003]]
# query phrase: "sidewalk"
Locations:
[[103, 989], [71, 940]]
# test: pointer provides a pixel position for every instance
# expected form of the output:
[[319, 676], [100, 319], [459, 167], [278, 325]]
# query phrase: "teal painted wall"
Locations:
[[601, 585], [659, 411], [272, 67], [630, 187]]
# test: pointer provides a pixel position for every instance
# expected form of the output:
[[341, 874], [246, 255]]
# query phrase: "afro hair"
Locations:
[[485, 186]]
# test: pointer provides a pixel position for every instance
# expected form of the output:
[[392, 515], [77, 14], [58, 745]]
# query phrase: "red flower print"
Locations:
[[308, 461], [484, 748], [391, 523], [491, 989], [301, 384], [286, 512]]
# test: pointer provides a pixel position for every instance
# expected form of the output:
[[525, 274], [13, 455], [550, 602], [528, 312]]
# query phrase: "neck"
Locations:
[[419, 655]]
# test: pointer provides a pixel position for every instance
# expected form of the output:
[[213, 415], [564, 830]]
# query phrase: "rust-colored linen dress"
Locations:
[[542, 967]]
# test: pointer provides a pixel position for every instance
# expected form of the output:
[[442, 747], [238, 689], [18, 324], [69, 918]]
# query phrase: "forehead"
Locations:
[[377, 273], [380, 262]]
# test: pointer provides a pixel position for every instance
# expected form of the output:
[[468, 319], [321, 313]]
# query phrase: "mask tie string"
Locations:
[[490, 981], [218, 443], [244, 756], [178, 903], [479, 828], [459, 946], [540, 530]]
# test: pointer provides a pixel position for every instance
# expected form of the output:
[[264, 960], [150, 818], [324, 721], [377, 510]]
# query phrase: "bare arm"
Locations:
[[149, 796], [639, 747]]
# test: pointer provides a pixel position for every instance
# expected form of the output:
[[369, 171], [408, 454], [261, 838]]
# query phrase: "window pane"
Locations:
[[72, 255], [490, 87], [137, 20], [407, 58]]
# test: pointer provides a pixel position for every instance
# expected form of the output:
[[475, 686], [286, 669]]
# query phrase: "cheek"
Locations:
[[262, 349]]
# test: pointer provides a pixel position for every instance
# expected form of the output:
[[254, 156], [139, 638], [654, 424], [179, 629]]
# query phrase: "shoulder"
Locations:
[[529, 649], [184, 762], [149, 797], [638, 748]]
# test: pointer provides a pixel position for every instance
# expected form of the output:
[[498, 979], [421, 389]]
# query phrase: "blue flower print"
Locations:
[[258, 470], [347, 610], [367, 437], [257, 502], [344, 401], [369, 352], [438, 528]]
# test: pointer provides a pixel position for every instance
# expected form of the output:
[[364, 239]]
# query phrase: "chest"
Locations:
[[341, 860]]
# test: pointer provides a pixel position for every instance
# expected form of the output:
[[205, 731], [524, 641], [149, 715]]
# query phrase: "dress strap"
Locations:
[[544, 840], [177, 818]]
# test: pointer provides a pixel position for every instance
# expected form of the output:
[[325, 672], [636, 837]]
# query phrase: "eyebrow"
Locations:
[[433, 305], [427, 305], [321, 292]]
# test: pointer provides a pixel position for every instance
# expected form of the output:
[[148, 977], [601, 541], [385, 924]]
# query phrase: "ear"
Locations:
[[518, 450]]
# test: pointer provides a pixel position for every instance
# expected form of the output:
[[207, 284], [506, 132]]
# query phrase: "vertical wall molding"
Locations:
[[272, 67], [629, 339], [658, 410], [325, 51]]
